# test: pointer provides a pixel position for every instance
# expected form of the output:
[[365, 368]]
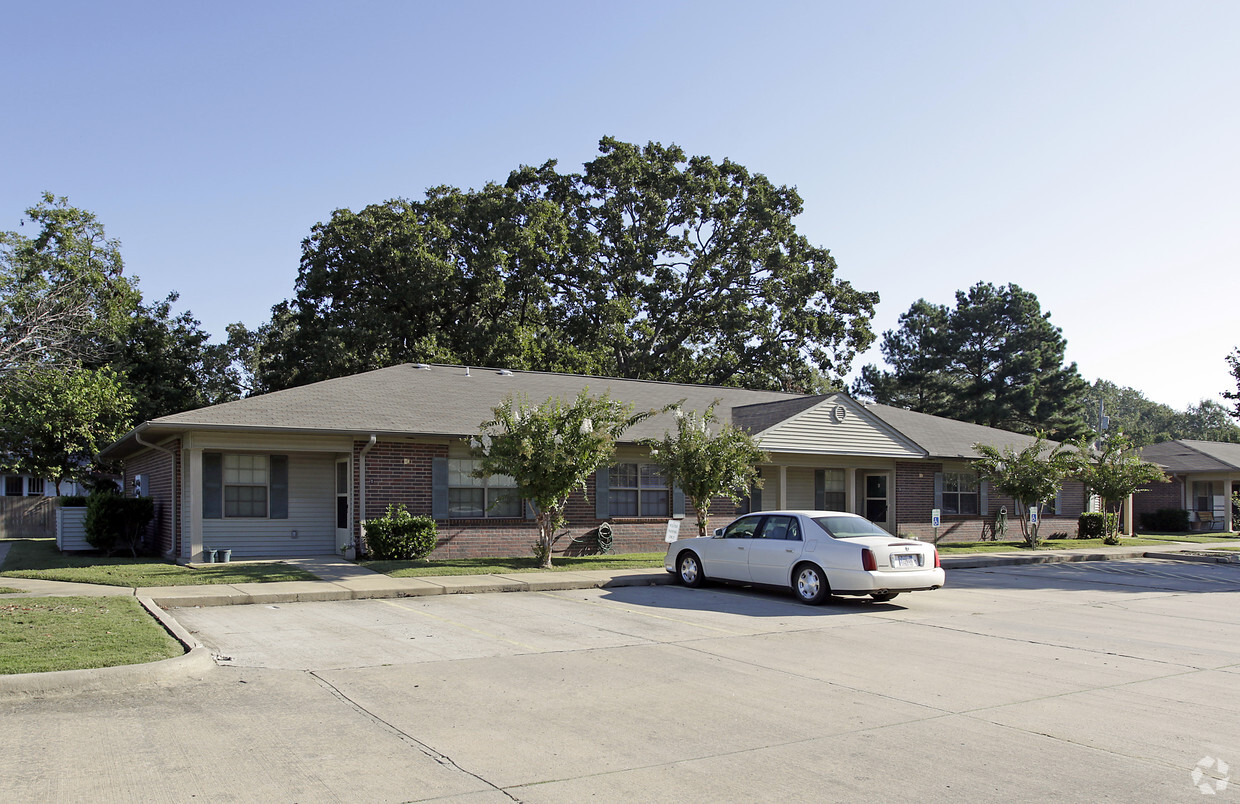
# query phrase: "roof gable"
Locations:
[[833, 424]]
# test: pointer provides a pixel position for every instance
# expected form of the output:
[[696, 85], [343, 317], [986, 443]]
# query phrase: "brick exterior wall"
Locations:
[[914, 498], [400, 473], [163, 481], [1157, 496]]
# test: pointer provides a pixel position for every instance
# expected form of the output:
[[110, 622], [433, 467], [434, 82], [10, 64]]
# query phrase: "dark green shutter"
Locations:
[[279, 487], [755, 499], [678, 502], [439, 488], [983, 501], [938, 490], [820, 489], [212, 485], [602, 491]]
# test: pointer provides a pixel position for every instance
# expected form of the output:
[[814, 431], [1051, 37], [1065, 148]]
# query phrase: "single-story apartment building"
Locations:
[[295, 472], [1204, 475]]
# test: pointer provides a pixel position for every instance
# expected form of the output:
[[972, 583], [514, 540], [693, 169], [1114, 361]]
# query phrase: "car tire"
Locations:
[[689, 569], [810, 585], [883, 597]]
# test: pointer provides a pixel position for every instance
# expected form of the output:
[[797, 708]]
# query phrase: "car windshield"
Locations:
[[849, 527]]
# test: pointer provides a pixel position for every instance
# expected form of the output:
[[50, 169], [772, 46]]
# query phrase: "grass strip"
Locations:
[[1195, 538], [503, 566], [38, 635], [8, 590], [39, 559]]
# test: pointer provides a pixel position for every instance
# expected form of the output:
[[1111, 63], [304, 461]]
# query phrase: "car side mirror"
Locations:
[[718, 531]]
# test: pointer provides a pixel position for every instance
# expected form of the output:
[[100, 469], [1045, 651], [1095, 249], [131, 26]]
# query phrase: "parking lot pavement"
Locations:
[[1082, 682]]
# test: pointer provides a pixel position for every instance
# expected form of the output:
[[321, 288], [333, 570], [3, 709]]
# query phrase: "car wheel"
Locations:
[[810, 585], [883, 597], [689, 569]]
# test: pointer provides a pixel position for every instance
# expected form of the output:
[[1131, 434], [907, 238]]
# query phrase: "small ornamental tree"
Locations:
[[707, 461], [549, 450], [1114, 474], [1030, 476]]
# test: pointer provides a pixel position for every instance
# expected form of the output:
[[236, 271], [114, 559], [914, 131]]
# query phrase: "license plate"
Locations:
[[905, 561]]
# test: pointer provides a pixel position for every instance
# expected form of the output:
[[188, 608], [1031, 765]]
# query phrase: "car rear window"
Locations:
[[849, 527]]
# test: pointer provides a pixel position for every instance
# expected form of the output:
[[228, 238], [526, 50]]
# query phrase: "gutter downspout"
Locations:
[[361, 490], [172, 479]]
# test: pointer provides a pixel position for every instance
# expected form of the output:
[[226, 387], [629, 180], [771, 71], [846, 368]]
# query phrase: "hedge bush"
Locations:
[[1093, 525], [1169, 520], [400, 536], [113, 521]]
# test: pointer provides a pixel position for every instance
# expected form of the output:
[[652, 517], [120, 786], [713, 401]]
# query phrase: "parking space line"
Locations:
[[463, 626]]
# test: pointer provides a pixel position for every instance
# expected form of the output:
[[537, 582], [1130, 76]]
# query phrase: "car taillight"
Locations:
[[936, 558], [867, 560]]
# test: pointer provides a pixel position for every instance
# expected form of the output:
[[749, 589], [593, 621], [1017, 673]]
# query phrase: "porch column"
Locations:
[[1228, 520], [783, 487], [850, 490], [1127, 514], [191, 548]]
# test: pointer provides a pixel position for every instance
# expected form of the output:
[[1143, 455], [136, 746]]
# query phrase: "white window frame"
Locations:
[[642, 471], [460, 478], [244, 477], [954, 480]]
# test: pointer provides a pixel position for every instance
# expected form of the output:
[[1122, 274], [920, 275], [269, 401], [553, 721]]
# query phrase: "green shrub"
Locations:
[[1093, 525], [113, 521], [1168, 520], [72, 501], [400, 536]]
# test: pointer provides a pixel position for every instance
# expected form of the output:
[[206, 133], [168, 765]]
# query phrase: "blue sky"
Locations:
[[1086, 151]]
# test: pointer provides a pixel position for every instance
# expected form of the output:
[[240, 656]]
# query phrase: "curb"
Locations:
[[193, 665], [983, 561], [1211, 559]]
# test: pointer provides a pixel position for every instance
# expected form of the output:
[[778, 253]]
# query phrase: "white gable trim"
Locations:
[[838, 425]]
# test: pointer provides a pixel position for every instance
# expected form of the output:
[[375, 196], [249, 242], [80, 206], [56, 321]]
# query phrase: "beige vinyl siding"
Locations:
[[311, 512], [801, 489], [818, 431]]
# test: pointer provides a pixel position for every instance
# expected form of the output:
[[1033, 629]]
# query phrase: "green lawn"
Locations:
[[8, 590], [503, 566], [72, 633], [1195, 538], [957, 548], [39, 558]]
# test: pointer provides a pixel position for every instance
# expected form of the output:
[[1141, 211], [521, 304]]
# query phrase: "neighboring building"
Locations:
[[294, 472], [1204, 475], [27, 507], [28, 486]]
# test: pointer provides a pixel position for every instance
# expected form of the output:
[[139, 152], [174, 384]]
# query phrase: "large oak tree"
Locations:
[[648, 264]]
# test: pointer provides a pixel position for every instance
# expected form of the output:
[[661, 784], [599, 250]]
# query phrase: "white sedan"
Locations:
[[815, 553]]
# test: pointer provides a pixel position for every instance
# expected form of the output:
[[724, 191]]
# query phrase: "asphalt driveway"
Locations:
[[1088, 681]]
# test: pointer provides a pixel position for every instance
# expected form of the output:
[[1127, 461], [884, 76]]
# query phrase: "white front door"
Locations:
[[344, 517]]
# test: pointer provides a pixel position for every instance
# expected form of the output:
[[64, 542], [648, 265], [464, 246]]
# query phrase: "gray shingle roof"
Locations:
[[758, 417], [1187, 455], [441, 400], [947, 438]]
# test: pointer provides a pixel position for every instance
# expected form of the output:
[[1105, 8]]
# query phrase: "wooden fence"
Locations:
[[27, 517]]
